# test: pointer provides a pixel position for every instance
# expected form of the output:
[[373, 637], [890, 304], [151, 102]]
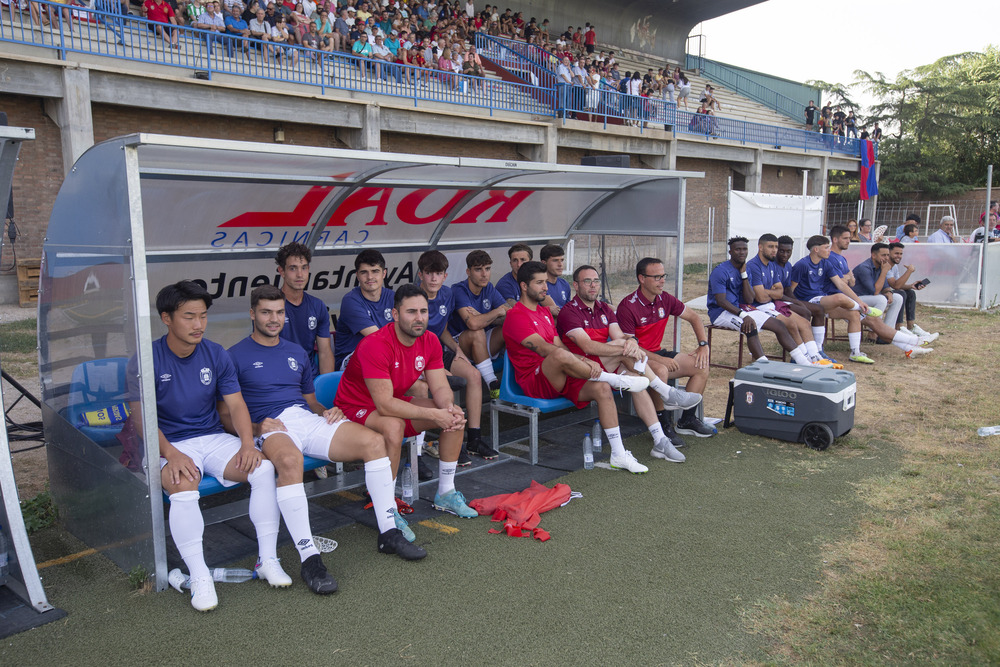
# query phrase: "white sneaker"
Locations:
[[627, 462], [664, 449], [907, 331], [678, 398], [270, 570], [917, 351], [926, 338], [917, 331], [203, 597], [632, 383]]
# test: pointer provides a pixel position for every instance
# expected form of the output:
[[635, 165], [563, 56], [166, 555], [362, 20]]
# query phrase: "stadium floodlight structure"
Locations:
[[142, 211]]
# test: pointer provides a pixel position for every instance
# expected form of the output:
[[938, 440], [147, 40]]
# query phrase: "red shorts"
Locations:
[[540, 387], [359, 414]]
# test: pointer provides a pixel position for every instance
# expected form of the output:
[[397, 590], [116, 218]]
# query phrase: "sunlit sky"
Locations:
[[828, 41]]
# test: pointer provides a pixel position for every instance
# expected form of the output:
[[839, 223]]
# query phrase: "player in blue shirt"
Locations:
[[730, 298], [509, 289], [307, 321], [554, 258], [432, 267], [191, 375], [479, 312], [366, 308], [813, 312], [278, 388]]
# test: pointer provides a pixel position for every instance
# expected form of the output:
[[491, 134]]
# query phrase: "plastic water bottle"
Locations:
[[596, 437], [588, 453], [228, 575], [407, 484], [988, 430]]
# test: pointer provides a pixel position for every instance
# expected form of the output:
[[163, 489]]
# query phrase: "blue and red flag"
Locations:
[[869, 183]]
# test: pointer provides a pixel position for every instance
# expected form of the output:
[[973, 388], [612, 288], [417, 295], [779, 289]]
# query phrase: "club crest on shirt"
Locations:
[[443, 309], [486, 304], [418, 363], [294, 365], [660, 312], [312, 323], [205, 374], [819, 271], [360, 414], [586, 323], [387, 313], [604, 319]]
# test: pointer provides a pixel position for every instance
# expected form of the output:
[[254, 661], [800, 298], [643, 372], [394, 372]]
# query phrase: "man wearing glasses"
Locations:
[[644, 314]]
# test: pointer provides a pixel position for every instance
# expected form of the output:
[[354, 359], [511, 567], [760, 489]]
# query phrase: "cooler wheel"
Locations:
[[817, 436]]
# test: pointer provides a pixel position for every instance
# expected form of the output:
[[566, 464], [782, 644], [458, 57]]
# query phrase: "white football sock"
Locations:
[[420, 443], [381, 487], [811, 349], [446, 476], [761, 358], [656, 430], [295, 511], [799, 356], [819, 335], [855, 306], [854, 340], [905, 342], [615, 440], [187, 526], [661, 388], [264, 509], [486, 370]]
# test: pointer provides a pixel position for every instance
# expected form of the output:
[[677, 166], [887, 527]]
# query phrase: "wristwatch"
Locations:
[[703, 343]]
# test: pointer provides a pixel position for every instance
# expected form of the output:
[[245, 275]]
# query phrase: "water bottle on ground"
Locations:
[[588, 453], [407, 484], [228, 575], [988, 430], [596, 437]]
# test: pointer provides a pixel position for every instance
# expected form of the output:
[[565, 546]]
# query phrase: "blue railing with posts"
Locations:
[[601, 104], [517, 58], [740, 83]]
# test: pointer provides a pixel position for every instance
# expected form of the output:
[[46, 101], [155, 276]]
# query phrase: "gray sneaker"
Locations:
[[664, 449], [678, 398]]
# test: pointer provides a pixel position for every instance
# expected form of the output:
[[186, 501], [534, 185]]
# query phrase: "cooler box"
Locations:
[[808, 404]]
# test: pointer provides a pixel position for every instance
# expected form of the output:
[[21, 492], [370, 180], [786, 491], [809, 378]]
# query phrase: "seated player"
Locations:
[[432, 268], [278, 389], [518, 254], [373, 392], [812, 312], [729, 304], [191, 372], [644, 314], [365, 309], [544, 368], [768, 296], [307, 322], [872, 283], [554, 258], [588, 327], [899, 276], [479, 308]]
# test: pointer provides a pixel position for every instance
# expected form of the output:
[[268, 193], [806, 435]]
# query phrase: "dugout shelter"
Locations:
[[142, 211]]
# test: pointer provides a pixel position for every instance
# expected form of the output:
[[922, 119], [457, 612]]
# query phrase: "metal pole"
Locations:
[[986, 238]]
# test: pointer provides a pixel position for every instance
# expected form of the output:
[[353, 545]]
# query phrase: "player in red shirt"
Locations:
[[644, 314], [544, 368], [373, 391], [590, 328]]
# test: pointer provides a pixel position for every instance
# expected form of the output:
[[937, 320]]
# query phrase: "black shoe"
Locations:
[[480, 448], [495, 389], [424, 471], [668, 430], [463, 457], [393, 542], [316, 577], [694, 426]]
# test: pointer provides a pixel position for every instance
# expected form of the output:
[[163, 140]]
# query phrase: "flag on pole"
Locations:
[[869, 184]]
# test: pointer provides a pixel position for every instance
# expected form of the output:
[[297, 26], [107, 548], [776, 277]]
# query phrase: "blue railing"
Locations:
[[602, 104], [716, 127], [519, 58], [742, 84]]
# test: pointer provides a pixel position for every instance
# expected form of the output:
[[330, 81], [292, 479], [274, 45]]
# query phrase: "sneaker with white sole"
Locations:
[[874, 312], [630, 383], [927, 339], [861, 358], [269, 570], [917, 351], [907, 331], [664, 449], [917, 331], [678, 398], [696, 427], [203, 597], [453, 502], [627, 462]]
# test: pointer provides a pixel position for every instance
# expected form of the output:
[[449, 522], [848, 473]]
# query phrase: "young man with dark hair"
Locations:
[[191, 373], [432, 269], [366, 308], [544, 368], [519, 253], [479, 309], [307, 322], [554, 258], [644, 314], [898, 278], [278, 389], [374, 387]]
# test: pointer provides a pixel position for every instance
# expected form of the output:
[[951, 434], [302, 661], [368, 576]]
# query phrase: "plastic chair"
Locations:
[[326, 387]]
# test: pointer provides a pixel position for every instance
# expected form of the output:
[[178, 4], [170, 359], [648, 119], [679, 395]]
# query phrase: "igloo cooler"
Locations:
[[808, 404]]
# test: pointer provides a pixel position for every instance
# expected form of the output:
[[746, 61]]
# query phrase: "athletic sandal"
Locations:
[[317, 578], [203, 597], [627, 462], [269, 570], [403, 527], [393, 542], [861, 359], [454, 503], [664, 449]]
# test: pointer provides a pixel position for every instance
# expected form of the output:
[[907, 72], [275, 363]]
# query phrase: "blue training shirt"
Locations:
[[811, 278], [188, 388], [559, 291], [487, 299], [273, 378], [762, 274], [509, 288], [305, 323], [837, 266], [783, 272], [724, 279], [439, 310], [357, 313]]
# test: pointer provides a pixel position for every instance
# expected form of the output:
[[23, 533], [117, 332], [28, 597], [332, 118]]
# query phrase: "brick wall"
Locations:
[[703, 194], [395, 142], [789, 183]]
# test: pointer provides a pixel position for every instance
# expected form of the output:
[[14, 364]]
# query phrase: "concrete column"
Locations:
[[369, 136], [72, 113], [755, 171], [547, 151], [661, 161], [672, 155]]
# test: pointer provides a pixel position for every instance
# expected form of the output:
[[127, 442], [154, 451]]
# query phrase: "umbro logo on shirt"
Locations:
[[166, 377], [258, 364]]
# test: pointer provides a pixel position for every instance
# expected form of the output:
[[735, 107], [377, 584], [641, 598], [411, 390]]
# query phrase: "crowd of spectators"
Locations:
[[832, 120]]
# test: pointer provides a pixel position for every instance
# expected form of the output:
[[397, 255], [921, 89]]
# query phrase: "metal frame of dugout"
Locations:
[[141, 211]]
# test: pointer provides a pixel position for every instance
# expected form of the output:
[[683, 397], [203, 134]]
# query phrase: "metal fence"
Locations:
[[742, 84], [720, 127], [893, 213], [602, 104], [524, 60]]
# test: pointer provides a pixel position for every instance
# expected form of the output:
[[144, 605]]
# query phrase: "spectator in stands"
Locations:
[[593, 85], [852, 227], [473, 67], [644, 314], [362, 49], [669, 88], [683, 90], [260, 30], [382, 57], [282, 38], [590, 39], [851, 124], [212, 22], [899, 276], [470, 9], [543, 31], [159, 12], [810, 115], [708, 98], [876, 133], [634, 90], [237, 32], [311, 40], [544, 368], [865, 231], [336, 36], [479, 310], [193, 10], [909, 234], [911, 217], [946, 233]]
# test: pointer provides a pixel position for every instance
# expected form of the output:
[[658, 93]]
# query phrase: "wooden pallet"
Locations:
[[28, 271]]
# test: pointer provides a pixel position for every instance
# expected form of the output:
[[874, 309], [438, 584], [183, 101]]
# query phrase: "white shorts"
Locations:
[[769, 307], [816, 299], [730, 321], [310, 432], [343, 364], [489, 336], [210, 453]]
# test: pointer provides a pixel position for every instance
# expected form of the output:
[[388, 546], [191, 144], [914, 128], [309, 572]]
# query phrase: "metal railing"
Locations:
[[519, 58], [602, 104], [108, 34], [720, 127], [740, 83]]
